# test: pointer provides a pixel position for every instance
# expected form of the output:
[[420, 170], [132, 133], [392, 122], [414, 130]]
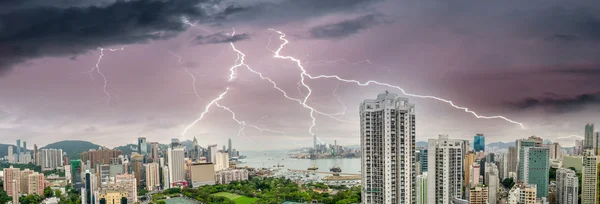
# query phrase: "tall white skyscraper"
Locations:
[[589, 177], [445, 169], [176, 164], [387, 129], [567, 186], [221, 161]]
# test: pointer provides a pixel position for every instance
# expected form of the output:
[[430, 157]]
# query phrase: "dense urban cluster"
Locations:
[[393, 170], [452, 171]]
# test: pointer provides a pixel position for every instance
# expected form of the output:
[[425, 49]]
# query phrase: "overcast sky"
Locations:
[[534, 62]]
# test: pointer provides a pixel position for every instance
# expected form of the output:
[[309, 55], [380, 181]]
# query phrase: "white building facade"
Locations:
[[445, 170]]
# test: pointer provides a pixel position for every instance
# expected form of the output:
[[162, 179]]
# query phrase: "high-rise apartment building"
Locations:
[[589, 178], [152, 176], [536, 168], [479, 143], [35, 183], [25, 180], [14, 186], [166, 174], [128, 182], [142, 146], [35, 154], [475, 174], [578, 149], [100, 156], [11, 155], [493, 187], [136, 166], [176, 164], [445, 175], [18, 149], [103, 174], [50, 159], [478, 195], [567, 186], [155, 148], [589, 137], [12, 174], [522, 193], [422, 188], [387, 128], [555, 151], [469, 159]]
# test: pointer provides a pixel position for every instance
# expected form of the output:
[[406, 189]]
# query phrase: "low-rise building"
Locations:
[[202, 174], [228, 176]]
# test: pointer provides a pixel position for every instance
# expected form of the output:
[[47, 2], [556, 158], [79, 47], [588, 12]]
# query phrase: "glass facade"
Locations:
[[479, 143]]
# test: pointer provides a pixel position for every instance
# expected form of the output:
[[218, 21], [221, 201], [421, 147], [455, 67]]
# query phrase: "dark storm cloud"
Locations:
[[347, 27], [221, 37], [580, 71], [559, 104], [52, 31]]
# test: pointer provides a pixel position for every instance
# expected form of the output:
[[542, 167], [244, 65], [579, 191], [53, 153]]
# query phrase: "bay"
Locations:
[[268, 159]]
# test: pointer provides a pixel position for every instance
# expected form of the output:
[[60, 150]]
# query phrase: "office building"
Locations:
[[222, 161], [422, 188], [479, 143], [231, 175], [100, 156], [555, 151], [128, 182], [136, 166], [478, 194], [469, 160], [176, 164], [12, 174], [445, 175], [589, 137], [567, 186], [589, 177], [142, 146], [211, 156], [503, 167], [536, 168], [155, 149], [522, 193], [423, 160], [387, 126], [103, 174], [152, 176], [35, 183], [521, 145], [88, 192], [229, 148]]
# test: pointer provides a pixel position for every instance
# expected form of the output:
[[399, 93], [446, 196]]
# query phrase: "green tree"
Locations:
[[48, 192], [4, 198], [57, 193], [508, 183], [161, 202]]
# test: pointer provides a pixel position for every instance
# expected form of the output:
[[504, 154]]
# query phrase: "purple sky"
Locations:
[[535, 62]]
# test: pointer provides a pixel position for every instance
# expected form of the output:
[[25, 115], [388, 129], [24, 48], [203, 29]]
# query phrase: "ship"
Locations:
[[313, 168], [335, 169]]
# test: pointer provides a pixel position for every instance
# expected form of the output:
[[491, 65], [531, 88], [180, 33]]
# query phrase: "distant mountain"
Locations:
[[500, 145], [127, 149], [73, 148], [4, 149], [187, 143], [421, 144]]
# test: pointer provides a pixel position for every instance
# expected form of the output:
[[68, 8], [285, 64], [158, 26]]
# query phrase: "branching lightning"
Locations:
[[304, 74], [97, 69]]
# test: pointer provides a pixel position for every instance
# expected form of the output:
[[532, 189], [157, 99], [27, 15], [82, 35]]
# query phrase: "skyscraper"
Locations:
[[11, 155], [24, 146], [222, 161], [422, 188], [229, 149], [536, 168], [211, 153], [152, 176], [142, 146], [445, 175], [479, 143], [423, 160], [589, 178], [35, 156], [387, 127], [89, 187], [589, 136], [50, 159], [176, 164], [521, 145], [100, 156], [567, 186], [18, 150], [469, 159]]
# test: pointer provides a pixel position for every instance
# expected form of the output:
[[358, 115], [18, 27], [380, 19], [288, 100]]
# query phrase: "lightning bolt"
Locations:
[[189, 73], [206, 109], [97, 69], [304, 74]]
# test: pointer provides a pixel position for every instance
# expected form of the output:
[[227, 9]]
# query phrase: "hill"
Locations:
[[127, 149], [73, 148], [4, 149]]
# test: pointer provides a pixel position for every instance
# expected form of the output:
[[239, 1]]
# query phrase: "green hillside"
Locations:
[[73, 148]]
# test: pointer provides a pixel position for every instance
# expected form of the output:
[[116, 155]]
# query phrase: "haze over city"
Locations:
[[533, 62]]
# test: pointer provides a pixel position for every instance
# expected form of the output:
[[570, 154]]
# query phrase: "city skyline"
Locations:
[[50, 94]]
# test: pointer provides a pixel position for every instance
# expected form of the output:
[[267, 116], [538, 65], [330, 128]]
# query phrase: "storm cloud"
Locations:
[[559, 104], [347, 27], [221, 37]]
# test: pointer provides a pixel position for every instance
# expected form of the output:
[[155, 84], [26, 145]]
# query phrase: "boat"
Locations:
[[335, 169], [313, 168]]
